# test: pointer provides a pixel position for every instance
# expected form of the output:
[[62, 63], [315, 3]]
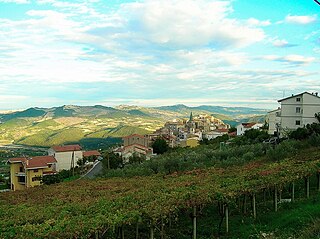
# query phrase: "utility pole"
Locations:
[[72, 163]]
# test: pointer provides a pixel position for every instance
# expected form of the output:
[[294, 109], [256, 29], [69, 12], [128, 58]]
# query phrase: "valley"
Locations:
[[100, 125]]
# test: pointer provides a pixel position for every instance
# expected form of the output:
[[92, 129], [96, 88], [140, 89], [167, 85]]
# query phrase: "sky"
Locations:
[[157, 52]]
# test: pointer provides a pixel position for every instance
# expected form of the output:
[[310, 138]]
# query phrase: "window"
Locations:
[[298, 110], [298, 99], [21, 169], [36, 179], [298, 122], [21, 179], [35, 170]]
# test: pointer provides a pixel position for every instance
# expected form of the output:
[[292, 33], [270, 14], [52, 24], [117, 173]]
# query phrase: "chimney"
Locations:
[[316, 93]]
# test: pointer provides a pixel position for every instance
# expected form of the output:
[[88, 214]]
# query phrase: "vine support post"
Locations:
[[292, 192], [307, 187], [97, 235], [194, 222], [151, 232], [122, 232], [254, 205], [245, 204], [318, 182], [137, 230], [162, 229], [227, 218], [275, 199]]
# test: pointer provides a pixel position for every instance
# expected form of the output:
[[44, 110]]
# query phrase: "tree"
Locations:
[[111, 160], [317, 115], [232, 129], [160, 146], [136, 158]]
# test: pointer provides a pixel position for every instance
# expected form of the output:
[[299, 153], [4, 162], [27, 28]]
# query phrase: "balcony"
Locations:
[[20, 174]]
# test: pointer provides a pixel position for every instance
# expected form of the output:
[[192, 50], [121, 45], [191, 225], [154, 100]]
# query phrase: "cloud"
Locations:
[[256, 22], [302, 20], [291, 59], [282, 44], [15, 1], [180, 24]]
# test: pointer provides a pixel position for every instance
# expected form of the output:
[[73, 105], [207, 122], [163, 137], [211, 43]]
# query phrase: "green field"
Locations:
[[90, 208]]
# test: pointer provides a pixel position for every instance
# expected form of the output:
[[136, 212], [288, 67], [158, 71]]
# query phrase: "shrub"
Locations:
[[248, 156]]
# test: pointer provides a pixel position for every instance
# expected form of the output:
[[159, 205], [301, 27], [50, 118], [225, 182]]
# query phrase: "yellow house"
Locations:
[[27, 172], [190, 142]]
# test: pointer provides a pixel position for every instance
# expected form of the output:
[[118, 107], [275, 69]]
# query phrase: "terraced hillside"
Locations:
[[97, 124]]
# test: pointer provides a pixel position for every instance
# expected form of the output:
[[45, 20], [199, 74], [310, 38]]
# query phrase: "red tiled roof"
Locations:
[[248, 125], [17, 160], [135, 145], [67, 148], [49, 172], [221, 130], [91, 153], [35, 162], [133, 135]]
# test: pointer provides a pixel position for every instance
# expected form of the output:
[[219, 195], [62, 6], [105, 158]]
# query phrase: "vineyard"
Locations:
[[102, 208]]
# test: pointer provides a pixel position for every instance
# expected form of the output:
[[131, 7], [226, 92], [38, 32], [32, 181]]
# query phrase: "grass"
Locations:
[[295, 220], [72, 178]]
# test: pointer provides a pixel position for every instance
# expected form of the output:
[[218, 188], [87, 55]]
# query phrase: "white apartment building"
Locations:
[[298, 111], [273, 120]]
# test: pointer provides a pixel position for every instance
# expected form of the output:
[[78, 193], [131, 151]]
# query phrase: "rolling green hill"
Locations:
[[71, 123]]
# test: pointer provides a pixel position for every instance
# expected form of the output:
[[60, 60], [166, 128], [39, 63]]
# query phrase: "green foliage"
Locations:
[[81, 208], [305, 132], [299, 134], [232, 129], [317, 115], [111, 161], [256, 135], [285, 149], [51, 179], [136, 158], [160, 146]]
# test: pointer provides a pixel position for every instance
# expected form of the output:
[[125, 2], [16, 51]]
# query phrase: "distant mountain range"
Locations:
[[100, 125]]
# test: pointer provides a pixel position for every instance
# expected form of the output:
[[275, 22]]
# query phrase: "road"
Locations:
[[94, 171]]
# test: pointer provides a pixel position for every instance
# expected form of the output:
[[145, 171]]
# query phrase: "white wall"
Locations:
[[309, 105], [64, 159], [240, 129]]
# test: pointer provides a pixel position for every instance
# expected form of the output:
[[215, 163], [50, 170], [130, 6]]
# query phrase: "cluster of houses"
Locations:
[[28, 172], [177, 133], [294, 112]]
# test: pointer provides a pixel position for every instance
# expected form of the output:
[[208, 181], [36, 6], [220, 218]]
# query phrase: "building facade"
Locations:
[[135, 144], [26, 172], [274, 119], [298, 111], [67, 156], [241, 128]]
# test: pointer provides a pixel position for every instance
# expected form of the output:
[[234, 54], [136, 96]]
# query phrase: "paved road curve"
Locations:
[[94, 171]]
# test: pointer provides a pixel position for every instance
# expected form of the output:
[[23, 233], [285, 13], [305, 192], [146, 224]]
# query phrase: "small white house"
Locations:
[[66, 156], [241, 128]]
